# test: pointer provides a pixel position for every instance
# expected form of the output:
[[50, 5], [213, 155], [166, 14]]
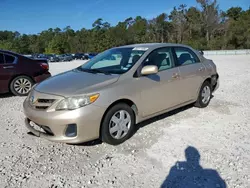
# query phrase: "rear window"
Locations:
[[9, 59], [185, 56]]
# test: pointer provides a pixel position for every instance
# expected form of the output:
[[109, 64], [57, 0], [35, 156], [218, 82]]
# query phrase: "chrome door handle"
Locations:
[[201, 69], [175, 75], [8, 67]]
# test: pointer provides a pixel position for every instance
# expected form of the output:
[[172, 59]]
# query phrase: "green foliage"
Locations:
[[205, 28], [234, 12]]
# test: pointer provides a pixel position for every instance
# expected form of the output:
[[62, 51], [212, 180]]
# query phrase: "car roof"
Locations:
[[10, 52], [153, 45]]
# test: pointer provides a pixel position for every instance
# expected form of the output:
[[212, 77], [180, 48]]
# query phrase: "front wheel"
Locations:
[[21, 85], [118, 124], [204, 95]]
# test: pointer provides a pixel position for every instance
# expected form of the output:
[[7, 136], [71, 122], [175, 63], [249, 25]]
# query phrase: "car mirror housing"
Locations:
[[149, 69]]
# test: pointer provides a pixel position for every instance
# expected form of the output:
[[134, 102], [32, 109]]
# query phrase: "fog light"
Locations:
[[71, 130]]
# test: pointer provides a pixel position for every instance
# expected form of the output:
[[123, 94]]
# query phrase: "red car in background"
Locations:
[[19, 73]]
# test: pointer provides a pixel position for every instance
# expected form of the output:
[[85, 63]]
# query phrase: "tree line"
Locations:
[[203, 27]]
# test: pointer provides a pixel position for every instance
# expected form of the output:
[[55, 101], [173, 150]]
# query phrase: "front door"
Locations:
[[160, 91]]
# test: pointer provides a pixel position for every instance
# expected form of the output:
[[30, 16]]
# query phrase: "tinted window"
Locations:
[[162, 58], [134, 57], [185, 56], [1, 59], [9, 59]]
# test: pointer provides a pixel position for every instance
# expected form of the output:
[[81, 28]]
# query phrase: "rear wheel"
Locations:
[[21, 85], [118, 124], [204, 95]]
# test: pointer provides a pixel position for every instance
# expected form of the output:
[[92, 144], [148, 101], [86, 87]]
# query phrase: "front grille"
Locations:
[[41, 104], [46, 100]]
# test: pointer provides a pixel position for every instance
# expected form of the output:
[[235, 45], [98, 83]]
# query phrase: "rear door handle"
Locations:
[[8, 67], [201, 69], [175, 75]]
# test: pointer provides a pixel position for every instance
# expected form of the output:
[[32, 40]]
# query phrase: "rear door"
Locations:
[[7, 71], [191, 73]]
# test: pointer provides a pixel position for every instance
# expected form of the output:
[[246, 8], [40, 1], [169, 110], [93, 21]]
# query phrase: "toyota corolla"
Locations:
[[107, 96]]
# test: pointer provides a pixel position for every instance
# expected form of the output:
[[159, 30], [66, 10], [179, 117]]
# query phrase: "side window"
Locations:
[[185, 56], [134, 57], [1, 59], [162, 58], [9, 59]]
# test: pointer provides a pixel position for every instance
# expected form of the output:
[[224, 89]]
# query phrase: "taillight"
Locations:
[[45, 66]]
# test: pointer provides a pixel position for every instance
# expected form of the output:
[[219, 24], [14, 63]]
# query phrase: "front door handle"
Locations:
[[175, 75], [201, 69], [8, 67]]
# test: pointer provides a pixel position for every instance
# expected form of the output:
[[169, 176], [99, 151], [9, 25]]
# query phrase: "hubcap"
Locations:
[[206, 94], [22, 86], [119, 124]]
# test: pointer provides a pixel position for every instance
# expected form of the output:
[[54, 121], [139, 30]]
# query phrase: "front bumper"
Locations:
[[87, 120]]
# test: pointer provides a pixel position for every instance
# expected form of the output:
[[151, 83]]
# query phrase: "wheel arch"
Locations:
[[123, 100], [208, 79], [212, 80]]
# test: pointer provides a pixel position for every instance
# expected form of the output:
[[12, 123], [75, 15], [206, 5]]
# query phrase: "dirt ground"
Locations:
[[192, 147]]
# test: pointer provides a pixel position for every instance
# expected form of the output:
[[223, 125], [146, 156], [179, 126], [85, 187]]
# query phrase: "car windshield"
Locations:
[[113, 61]]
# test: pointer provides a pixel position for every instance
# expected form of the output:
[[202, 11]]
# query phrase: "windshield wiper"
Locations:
[[100, 71], [93, 71]]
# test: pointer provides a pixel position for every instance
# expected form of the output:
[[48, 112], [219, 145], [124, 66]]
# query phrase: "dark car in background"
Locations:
[[78, 56], [39, 56], [65, 57], [19, 73], [81, 56], [91, 55], [53, 58]]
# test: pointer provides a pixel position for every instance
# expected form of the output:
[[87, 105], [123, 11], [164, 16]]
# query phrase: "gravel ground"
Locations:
[[155, 155]]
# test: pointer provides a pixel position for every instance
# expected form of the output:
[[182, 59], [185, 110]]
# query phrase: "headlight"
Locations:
[[72, 103]]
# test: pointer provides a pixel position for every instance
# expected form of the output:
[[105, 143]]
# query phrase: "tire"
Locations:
[[24, 83], [108, 123], [205, 92]]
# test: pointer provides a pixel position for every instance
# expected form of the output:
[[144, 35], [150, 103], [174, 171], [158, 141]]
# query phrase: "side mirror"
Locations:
[[149, 69]]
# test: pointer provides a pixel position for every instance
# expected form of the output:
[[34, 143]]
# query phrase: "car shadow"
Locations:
[[165, 115], [191, 174], [154, 77], [6, 95], [162, 116], [89, 143], [142, 124]]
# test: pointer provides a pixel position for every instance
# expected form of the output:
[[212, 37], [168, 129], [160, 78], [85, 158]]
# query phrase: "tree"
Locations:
[[238, 31], [234, 12], [162, 27], [210, 16], [179, 20], [137, 30], [202, 27]]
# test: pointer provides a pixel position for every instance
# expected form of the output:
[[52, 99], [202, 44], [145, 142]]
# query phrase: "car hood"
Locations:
[[75, 82]]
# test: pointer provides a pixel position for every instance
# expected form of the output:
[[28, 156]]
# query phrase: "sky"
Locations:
[[34, 16]]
